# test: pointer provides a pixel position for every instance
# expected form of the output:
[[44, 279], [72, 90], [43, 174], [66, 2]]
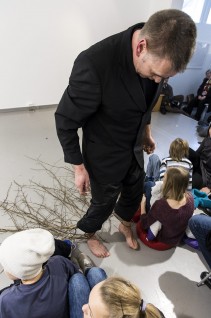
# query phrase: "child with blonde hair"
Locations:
[[168, 217], [116, 297], [45, 285], [178, 157]]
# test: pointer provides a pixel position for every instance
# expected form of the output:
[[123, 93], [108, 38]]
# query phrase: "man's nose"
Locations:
[[157, 79]]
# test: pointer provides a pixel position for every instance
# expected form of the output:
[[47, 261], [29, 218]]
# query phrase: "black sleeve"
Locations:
[[62, 248], [80, 100], [201, 87]]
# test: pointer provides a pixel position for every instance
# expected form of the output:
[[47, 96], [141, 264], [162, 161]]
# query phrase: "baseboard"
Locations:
[[28, 108]]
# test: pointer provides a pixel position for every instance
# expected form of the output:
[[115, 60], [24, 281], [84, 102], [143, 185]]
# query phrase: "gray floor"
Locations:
[[167, 279]]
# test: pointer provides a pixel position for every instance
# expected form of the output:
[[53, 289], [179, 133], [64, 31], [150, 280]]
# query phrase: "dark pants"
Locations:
[[195, 102], [124, 198], [148, 193], [200, 109], [197, 181], [200, 226]]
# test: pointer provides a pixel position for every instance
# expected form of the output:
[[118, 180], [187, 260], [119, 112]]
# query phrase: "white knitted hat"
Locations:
[[23, 253]]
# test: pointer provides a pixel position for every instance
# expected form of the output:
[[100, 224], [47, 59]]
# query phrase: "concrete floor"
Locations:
[[167, 279]]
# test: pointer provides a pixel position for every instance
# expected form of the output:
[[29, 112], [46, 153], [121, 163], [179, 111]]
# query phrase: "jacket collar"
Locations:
[[128, 73]]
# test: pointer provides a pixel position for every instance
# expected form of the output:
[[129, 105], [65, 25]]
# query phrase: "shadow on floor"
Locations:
[[178, 289]]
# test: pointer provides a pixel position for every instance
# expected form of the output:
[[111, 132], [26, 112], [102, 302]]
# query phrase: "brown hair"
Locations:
[[179, 149], [123, 299], [176, 183], [171, 34]]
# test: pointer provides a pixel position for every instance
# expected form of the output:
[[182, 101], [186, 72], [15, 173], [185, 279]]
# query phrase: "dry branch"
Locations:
[[56, 207]]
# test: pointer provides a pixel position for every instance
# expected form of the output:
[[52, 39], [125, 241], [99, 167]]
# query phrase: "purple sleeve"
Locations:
[[150, 235], [151, 217]]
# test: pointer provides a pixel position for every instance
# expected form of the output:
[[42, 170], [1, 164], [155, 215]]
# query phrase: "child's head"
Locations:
[[23, 253], [208, 74], [179, 149], [116, 297], [175, 183]]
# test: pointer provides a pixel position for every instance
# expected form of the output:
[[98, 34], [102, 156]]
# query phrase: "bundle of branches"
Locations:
[[55, 207]]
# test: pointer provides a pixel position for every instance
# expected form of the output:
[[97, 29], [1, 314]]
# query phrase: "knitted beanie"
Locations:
[[23, 253]]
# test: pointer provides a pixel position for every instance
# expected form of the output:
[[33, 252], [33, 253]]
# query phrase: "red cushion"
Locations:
[[155, 244]]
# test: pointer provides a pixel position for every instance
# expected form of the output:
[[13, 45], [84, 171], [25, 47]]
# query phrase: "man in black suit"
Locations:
[[112, 89]]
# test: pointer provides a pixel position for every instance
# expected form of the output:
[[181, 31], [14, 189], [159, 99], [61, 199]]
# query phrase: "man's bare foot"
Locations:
[[97, 248], [128, 234]]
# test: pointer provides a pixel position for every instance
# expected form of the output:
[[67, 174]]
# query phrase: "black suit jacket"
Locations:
[[106, 99]]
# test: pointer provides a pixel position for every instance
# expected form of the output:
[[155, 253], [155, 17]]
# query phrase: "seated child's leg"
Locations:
[[200, 226], [79, 291], [95, 275], [148, 193]]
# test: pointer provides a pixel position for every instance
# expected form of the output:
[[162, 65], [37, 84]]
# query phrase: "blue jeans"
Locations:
[[80, 287], [200, 225], [148, 193]]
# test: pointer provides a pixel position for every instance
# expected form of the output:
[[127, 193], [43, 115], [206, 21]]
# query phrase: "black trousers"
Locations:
[[200, 109], [197, 181], [195, 102], [123, 198]]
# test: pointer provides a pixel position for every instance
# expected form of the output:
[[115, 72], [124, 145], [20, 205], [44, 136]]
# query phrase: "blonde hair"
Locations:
[[123, 299], [179, 149], [176, 183]]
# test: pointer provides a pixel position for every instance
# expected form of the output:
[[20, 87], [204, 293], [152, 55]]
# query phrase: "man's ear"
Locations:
[[141, 46]]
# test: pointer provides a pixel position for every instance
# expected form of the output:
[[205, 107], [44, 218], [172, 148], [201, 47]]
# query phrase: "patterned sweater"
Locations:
[[184, 163]]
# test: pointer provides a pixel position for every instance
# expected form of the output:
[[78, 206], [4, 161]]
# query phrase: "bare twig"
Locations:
[[56, 207]]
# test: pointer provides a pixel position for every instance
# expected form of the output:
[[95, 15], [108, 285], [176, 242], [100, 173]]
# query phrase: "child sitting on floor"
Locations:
[[56, 289], [178, 153], [178, 157], [168, 217]]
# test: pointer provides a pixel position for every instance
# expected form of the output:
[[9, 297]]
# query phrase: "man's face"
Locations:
[[150, 66]]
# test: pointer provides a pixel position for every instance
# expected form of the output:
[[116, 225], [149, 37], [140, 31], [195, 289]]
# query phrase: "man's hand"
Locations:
[[148, 141], [81, 179]]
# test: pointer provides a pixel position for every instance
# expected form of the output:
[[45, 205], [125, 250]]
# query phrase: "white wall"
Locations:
[[189, 81], [40, 40]]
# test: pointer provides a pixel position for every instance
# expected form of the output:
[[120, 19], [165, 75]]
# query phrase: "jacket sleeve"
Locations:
[[80, 100], [201, 147], [201, 87], [151, 217]]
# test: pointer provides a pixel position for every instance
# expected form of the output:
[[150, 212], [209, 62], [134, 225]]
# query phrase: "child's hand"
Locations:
[[206, 190]]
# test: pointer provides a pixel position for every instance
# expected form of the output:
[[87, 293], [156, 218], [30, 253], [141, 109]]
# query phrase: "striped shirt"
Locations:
[[184, 163]]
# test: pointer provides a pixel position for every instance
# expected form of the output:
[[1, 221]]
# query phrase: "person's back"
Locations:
[[168, 217], [42, 291], [178, 157], [173, 219]]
